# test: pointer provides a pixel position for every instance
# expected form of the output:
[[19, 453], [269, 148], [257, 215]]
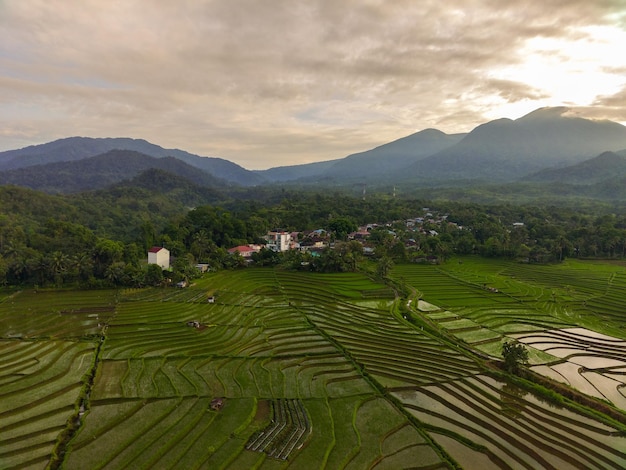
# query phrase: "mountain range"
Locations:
[[386, 159], [547, 145], [78, 148]]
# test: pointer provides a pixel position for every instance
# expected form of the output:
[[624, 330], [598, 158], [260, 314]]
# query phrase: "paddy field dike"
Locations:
[[298, 370]]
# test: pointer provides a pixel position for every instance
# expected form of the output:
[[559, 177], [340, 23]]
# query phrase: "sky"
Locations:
[[266, 83]]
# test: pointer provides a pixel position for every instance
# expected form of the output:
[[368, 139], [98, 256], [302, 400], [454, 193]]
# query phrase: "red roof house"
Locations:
[[159, 255], [244, 250]]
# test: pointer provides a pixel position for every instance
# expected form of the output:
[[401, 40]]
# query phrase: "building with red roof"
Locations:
[[159, 255]]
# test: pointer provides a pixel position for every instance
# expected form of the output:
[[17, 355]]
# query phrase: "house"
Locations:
[[202, 267], [278, 240], [245, 251], [159, 255], [313, 243], [361, 234]]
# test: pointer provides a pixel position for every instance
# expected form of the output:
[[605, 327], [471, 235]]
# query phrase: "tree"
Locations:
[[351, 252], [82, 265], [381, 238], [515, 355], [384, 266], [201, 245], [397, 251], [152, 275], [115, 273], [295, 259], [147, 234], [106, 252], [266, 257], [341, 227], [330, 261], [4, 269], [58, 264], [184, 268]]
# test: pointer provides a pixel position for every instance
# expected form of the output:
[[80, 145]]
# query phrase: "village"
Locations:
[[316, 241]]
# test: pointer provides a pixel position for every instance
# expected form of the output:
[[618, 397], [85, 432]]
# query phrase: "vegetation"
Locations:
[[370, 353], [100, 238], [358, 371], [515, 356]]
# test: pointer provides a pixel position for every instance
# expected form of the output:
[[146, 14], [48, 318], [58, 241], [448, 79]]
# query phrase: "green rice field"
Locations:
[[315, 371]]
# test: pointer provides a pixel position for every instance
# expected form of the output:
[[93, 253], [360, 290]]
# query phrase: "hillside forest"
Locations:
[[100, 238]]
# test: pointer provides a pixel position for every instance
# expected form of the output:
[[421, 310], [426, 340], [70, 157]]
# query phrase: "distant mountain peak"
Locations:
[[431, 131], [504, 149], [547, 112]]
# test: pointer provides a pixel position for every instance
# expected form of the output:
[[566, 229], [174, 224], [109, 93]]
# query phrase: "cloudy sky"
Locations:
[[268, 83]]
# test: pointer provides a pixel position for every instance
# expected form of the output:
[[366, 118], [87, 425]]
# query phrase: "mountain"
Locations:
[[119, 211], [376, 163], [507, 149], [100, 171], [607, 165], [497, 151], [613, 189], [502, 150], [78, 148], [163, 182], [295, 172], [389, 158]]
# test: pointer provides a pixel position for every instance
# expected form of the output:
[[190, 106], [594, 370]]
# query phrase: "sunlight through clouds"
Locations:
[[253, 81], [573, 70]]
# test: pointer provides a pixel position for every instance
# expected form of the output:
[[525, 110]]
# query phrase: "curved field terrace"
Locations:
[[314, 371]]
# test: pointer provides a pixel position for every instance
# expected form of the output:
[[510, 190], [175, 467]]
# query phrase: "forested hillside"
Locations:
[[100, 172], [100, 238]]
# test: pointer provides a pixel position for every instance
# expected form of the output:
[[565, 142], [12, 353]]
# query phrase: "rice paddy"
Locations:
[[300, 370]]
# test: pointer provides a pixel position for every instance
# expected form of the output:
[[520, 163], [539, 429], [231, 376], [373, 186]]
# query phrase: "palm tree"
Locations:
[[82, 264], [58, 262], [115, 273], [201, 245], [41, 266]]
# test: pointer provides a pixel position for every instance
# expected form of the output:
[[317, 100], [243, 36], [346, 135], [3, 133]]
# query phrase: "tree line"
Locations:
[[101, 238]]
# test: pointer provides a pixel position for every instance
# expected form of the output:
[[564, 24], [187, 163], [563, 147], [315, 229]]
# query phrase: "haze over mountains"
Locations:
[[101, 171], [546, 145], [384, 160], [605, 166], [79, 148]]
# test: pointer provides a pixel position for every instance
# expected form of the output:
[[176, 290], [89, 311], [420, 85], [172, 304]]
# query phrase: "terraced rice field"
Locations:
[[46, 351], [312, 371], [483, 303], [592, 363], [516, 429]]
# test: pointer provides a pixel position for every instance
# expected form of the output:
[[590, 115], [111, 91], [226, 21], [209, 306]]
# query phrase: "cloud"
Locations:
[[611, 107], [260, 82]]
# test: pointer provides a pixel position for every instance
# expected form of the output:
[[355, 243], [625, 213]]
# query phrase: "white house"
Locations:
[[159, 255], [278, 240]]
